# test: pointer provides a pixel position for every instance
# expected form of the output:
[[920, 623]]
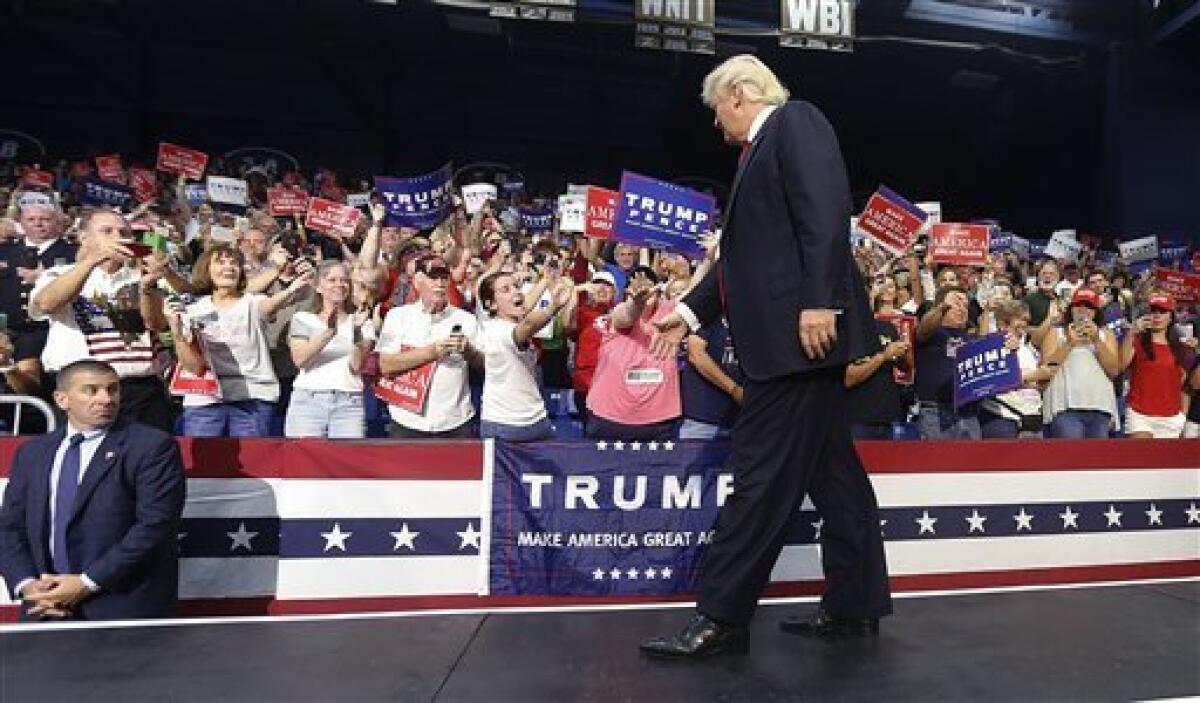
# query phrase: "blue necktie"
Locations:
[[64, 502]]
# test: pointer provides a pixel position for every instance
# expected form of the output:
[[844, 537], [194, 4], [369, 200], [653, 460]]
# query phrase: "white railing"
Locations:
[[20, 401]]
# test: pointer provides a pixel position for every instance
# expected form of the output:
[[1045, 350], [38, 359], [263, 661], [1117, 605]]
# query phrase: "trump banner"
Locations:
[[572, 212], [330, 217], [195, 194], [601, 211], [421, 201], [33, 198], [662, 215], [906, 327], [1171, 253], [409, 390], [892, 221], [286, 202], [1185, 287], [1000, 241], [144, 183], [476, 195], [567, 520], [105, 194], [109, 168], [959, 244], [983, 368], [173, 158], [37, 179], [537, 220], [1139, 250], [227, 191], [1064, 247]]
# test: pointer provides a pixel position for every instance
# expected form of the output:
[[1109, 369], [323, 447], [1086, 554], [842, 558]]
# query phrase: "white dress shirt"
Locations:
[[87, 450]]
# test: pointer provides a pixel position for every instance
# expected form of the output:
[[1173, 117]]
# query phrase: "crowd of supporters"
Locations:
[[224, 323]]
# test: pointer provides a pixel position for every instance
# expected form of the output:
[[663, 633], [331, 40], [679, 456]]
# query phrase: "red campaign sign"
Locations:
[[327, 216], [144, 183], [409, 390], [1185, 287], [960, 245], [600, 213], [286, 202], [184, 382], [906, 325], [110, 169], [177, 159], [38, 179], [890, 223]]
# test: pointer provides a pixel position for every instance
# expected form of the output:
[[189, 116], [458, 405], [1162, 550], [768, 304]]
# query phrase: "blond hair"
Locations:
[[744, 73]]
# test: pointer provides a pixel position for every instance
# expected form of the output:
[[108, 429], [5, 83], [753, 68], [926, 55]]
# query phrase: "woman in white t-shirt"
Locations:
[[225, 333], [1010, 414], [512, 407], [328, 346]]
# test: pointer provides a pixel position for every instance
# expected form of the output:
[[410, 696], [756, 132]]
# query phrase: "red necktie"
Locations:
[[742, 154]]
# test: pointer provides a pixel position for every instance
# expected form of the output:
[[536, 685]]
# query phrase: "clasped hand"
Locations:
[[55, 595]]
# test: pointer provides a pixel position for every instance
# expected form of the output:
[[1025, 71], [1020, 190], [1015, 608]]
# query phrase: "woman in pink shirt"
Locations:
[[634, 395]]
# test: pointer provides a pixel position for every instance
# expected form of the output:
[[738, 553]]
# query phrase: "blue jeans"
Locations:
[[332, 414], [695, 429], [995, 426], [942, 421], [516, 433], [1079, 424], [239, 418]]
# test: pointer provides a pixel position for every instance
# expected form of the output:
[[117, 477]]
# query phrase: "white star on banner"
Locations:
[[180, 536], [336, 538], [1113, 515], [1024, 520], [470, 536], [926, 522], [598, 575], [1193, 513], [817, 528], [404, 538], [650, 573], [666, 572], [601, 445], [1154, 515], [632, 574], [635, 446], [653, 446], [975, 521], [618, 445], [882, 524], [615, 574], [1069, 519], [668, 445], [241, 538]]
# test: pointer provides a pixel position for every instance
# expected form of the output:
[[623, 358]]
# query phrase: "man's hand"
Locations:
[[154, 267], [818, 332], [668, 335], [640, 288], [56, 594], [29, 276], [109, 248], [895, 350]]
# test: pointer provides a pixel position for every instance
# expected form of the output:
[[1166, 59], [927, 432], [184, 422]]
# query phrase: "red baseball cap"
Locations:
[[1161, 302], [1086, 296]]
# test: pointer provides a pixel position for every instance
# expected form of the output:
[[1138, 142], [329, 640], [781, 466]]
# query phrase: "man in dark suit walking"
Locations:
[[798, 313], [89, 524]]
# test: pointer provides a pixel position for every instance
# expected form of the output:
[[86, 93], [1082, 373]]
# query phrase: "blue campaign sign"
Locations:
[[1037, 248], [537, 221], [421, 201], [662, 215], [983, 368], [1172, 252], [614, 518], [1000, 241], [196, 193], [103, 193]]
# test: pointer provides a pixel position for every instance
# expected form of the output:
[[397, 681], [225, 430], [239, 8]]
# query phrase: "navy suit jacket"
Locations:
[[124, 527], [785, 248]]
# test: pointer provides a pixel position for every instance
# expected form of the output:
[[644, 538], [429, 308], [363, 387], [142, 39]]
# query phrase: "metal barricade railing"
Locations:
[[19, 401]]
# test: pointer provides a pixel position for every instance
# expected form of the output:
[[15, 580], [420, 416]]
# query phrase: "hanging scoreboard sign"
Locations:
[[541, 10], [826, 25], [676, 25]]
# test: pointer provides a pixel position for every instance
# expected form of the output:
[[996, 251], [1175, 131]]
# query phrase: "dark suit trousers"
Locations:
[[791, 438]]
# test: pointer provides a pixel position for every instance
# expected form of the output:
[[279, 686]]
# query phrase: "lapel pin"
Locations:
[[110, 455]]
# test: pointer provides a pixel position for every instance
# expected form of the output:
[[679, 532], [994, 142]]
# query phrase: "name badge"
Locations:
[[644, 377]]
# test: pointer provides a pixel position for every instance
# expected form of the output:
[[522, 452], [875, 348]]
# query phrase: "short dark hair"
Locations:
[[645, 270], [487, 288], [67, 373]]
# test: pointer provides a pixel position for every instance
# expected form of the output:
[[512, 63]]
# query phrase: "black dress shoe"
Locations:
[[822, 624], [701, 637]]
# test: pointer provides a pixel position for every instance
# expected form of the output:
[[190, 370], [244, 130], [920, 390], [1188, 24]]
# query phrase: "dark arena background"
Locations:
[[1035, 565]]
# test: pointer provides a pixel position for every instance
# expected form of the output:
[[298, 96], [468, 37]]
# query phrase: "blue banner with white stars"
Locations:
[[620, 518]]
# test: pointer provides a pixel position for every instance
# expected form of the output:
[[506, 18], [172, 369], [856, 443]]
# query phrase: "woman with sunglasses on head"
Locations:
[[1158, 363]]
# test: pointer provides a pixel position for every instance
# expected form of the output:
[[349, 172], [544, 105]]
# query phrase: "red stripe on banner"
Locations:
[[1027, 455], [1082, 575], [319, 459]]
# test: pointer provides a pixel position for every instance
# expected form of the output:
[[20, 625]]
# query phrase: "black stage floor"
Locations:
[[1112, 643]]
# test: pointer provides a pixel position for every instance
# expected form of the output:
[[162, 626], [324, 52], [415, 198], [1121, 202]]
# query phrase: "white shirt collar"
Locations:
[[87, 434], [759, 121]]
